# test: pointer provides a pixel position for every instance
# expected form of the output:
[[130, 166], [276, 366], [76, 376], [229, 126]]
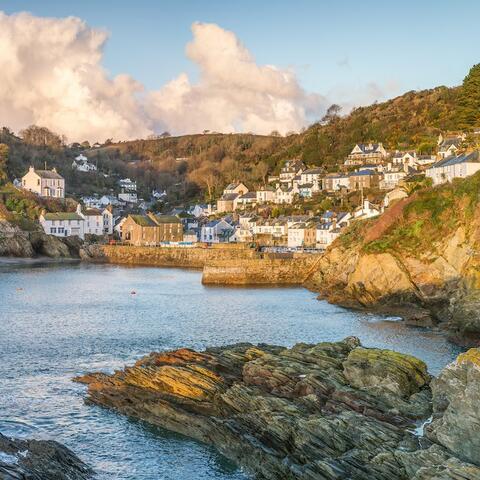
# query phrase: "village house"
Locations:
[[216, 231], [407, 159], [128, 191], [45, 183], [190, 236], [97, 222], [201, 210], [363, 153], [448, 146], [63, 224], [237, 187], [106, 200], [313, 176], [284, 194], [302, 235], [330, 227], [265, 194], [366, 210], [391, 178], [459, 166], [423, 160], [335, 182], [81, 164], [364, 179], [245, 200], [150, 229], [226, 203], [290, 170]]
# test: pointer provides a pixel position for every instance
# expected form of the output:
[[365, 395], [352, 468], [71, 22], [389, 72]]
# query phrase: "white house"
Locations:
[[393, 195], [235, 187], [334, 182], [202, 210], [63, 224], [449, 146], [265, 195], [306, 191], [331, 227], [82, 164], [391, 178], [366, 153], [285, 194], [45, 183], [290, 170], [127, 184], [367, 210], [408, 159], [128, 197], [247, 199], [312, 176], [216, 231], [459, 166], [109, 200], [97, 222], [301, 235]]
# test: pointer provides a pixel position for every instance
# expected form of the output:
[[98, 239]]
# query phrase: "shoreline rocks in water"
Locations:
[[325, 411], [39, 460]]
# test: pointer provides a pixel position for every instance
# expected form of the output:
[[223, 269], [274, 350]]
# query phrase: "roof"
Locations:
[[233, 186], [368, 148], [143, 220], [229, 196], [249, 195], [473, 157], [306, 185], [362, 172], [62, 216], [92, 212], [166, 219], [313, 171], [266, 189], [48, 174]]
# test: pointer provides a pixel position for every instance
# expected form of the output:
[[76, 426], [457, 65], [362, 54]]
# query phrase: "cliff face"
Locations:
[[407, 264], [15, 242], [331, 410]]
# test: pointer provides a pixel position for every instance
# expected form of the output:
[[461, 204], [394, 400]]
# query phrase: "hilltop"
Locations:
[[198, 166]]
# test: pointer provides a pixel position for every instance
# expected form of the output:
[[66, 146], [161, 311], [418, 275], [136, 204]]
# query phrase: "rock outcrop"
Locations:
[[324, 411], [434, 287], [15, 242], [39, 460]]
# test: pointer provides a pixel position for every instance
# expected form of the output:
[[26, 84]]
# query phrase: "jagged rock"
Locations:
[[456, 404], [324, 411], [39, 460]]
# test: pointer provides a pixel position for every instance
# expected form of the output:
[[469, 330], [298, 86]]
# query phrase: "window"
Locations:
[[38, 181], [61, 229], [53, 230]]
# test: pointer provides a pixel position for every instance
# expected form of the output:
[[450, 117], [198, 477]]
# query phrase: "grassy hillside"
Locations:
[[416, 224]]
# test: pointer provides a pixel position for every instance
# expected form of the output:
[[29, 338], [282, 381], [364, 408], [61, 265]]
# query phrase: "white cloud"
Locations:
[[52, 76]]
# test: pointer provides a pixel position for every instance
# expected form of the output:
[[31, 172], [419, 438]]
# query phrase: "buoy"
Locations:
[[133, 292]]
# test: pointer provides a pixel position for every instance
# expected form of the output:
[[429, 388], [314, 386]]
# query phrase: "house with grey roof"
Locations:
[[455, 166], [363, 153], [45, 183]]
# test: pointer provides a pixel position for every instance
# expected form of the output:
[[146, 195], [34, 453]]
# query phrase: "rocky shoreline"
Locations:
[[39, 460], [330, 410]]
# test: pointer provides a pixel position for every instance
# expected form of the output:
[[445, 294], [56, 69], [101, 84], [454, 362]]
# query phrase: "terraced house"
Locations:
[[151, 230]]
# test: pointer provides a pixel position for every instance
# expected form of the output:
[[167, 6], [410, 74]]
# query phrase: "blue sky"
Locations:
[[399, 46]]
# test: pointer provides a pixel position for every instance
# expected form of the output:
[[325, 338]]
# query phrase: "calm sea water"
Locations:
[[58, 321]]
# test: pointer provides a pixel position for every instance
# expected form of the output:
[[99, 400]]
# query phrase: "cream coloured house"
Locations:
[[45, 183]]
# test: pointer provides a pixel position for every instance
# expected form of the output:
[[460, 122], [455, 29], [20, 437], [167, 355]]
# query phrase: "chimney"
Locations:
[[79, 209], [54, 170], [31, 168]]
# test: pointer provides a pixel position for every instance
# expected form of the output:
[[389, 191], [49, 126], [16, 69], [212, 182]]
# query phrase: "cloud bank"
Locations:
[[52, 76]]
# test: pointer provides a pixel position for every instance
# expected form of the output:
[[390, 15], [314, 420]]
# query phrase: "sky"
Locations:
[[185, 66]]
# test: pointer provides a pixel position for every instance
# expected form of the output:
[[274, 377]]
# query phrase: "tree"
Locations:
[[469, 99], [3, 163], [333, 113], [275, 133], [165, 135], [41, 137]]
